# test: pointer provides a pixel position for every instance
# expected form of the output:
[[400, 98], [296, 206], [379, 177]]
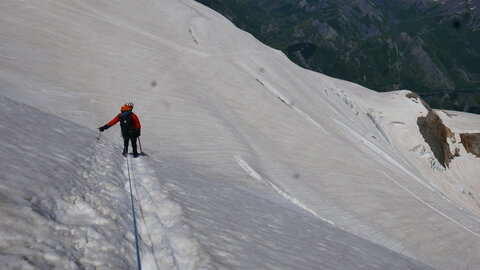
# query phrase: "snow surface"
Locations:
[[62, 202], [254, 163]]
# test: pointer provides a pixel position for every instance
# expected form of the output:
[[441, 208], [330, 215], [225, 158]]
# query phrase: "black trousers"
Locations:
[[134, 144]]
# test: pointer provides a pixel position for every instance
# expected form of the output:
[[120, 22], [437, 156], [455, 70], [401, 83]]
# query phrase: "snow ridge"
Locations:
[[167, 242]]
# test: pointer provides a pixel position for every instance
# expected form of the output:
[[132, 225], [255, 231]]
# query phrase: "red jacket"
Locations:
[[136, 122]]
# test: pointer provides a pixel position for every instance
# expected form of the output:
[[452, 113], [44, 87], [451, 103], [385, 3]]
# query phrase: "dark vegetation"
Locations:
[[423, 46], [306, 49]]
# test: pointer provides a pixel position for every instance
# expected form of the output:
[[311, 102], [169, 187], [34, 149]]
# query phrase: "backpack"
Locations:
[[126, 123]]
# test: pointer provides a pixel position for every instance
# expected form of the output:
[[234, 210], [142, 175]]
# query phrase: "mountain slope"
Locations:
[[430, 47], [62, 197], [242, 139], [71, 211]]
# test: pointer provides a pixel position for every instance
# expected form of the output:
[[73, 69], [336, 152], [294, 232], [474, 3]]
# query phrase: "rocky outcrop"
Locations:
[[436, 134], [471, 142], [413, 95]]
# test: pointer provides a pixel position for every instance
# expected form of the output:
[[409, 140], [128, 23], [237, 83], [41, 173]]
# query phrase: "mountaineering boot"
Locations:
[[125, 151], [134, 147]]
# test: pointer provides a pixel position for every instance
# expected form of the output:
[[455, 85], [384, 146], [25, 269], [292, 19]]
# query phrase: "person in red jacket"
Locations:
[[130, 126]]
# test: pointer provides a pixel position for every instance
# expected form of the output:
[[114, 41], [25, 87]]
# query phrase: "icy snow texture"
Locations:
[[249, 154], [62, 200]]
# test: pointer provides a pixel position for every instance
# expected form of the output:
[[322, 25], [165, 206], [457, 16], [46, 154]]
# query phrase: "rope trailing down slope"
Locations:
[[134, 217]]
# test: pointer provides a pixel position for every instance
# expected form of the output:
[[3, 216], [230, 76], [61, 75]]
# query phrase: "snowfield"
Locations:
[[254, 162], [62, 198]]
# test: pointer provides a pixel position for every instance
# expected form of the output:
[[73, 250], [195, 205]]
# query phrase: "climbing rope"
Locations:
[[145, 222], [134, 217]]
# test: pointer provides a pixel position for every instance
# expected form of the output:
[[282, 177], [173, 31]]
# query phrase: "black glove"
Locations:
[[103, 128], [137, 132]]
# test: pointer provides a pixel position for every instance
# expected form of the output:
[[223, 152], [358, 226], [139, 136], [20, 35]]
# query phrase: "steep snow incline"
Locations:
[[62, 199], [224, 112], [459, 180], [65, 206], [206, 223]]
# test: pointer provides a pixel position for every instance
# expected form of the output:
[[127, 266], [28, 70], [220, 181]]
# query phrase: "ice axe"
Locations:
[[140, 144]]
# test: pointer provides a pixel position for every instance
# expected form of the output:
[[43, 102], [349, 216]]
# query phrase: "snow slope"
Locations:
[[254, 162], [62, 197], [64, 206]]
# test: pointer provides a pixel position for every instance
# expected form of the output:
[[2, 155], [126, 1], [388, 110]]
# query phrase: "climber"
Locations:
[[130, 126]]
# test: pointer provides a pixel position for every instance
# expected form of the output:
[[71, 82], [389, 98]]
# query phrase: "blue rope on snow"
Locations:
[[134, 217]]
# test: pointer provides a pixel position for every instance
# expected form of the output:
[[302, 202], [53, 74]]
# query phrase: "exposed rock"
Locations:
[[436, 134], [471, 142], [413, 95]]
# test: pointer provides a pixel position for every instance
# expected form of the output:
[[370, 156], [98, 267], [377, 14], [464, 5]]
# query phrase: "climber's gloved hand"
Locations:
[[102, 128]]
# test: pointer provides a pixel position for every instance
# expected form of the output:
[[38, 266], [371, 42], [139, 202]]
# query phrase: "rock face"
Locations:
[[436, 134], [427, 46], [471, 142]]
